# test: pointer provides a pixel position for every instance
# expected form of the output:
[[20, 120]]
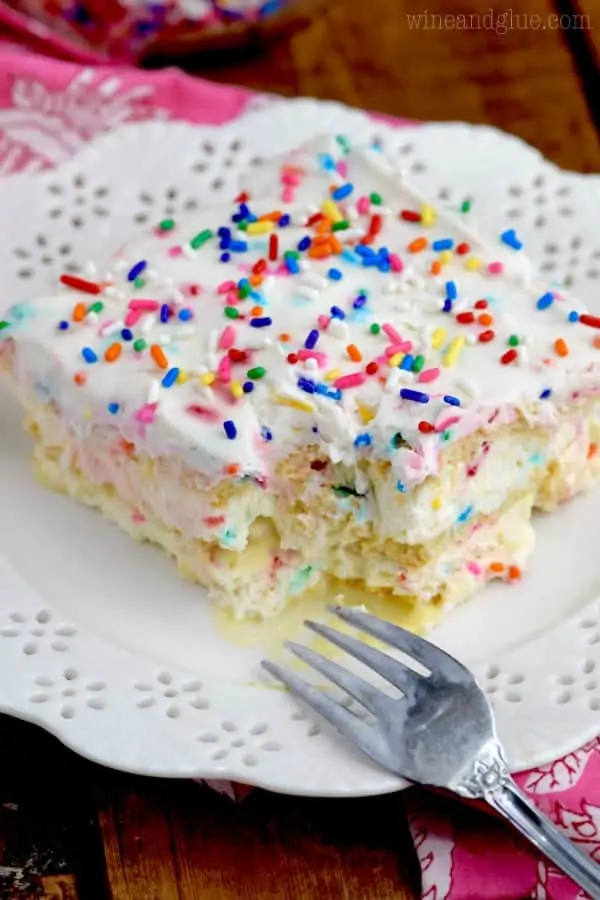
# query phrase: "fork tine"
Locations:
[[424, 652], [390, 669], [366, 694], [350, 726]]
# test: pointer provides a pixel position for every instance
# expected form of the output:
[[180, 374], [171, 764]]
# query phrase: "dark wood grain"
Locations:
[[72, 831]]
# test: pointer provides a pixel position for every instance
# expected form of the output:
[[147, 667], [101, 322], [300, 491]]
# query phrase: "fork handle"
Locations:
[[513, 804]]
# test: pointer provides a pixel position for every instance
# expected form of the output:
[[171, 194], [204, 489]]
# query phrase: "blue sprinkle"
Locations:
[[244, 210], [262, 322], [545, 300], [360, 301], [447, 307], [343, 191], [332, 393], [305, 384], [465, 514], [225, 242], [451, 400], [248, 387], [236, 217], [62, 326], [362, 440], [545, 393], [407, 362], [443, 244], [311, 339], [349, 255], [265, 433], [292, 265], [238, 246], [89, 355], [337, 313], [335, 275], [136, 270], [223, 231], [451, 290], [573, 316], [400, 486], [225, 257], [251, 218], [113, 408], [304, 243], [327, 162], [415, 396], [127, 334], [510, 239], [170, 378], [185, 315], [365, 251], [283, 222], [230, 429], [165, 313]]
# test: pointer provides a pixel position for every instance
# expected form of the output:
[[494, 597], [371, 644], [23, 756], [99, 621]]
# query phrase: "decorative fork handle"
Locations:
[[490, 780]]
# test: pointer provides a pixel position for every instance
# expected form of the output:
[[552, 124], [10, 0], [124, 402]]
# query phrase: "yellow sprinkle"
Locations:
[[472, 263], [182, 377], [366, 414], [236, 389], [428, 215], [259, 227], [331, 211], [445, 257], [332, 374], [436, 503], [284, 400], [437, 338], [453, 351], [396, 359], [207, 378]]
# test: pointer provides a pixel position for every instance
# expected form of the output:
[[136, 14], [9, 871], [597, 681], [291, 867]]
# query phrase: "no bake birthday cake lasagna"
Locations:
[[326, 377]]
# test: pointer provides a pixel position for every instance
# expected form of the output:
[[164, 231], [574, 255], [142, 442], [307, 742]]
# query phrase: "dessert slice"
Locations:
[[326, 377]]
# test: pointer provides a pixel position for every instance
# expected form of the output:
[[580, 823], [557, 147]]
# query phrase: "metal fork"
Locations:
[[440, 732]]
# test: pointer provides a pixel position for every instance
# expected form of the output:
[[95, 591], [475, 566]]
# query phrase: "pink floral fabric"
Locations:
[[48, 110]]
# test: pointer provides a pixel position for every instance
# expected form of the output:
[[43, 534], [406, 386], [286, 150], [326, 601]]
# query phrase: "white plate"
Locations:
[[100, 641]]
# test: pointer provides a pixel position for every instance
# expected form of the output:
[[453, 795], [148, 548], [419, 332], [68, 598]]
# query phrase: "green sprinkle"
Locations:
[[465, 206], [291, 254], [418, 363], [343, 142], [242, 226], [376, 199], [256, 372], [139, 282], [513, 340], [139, 345], [201, 238], [340, 226], [244, 291], [375, 328], [167, 224], [446, 435], [96, 307], [231, 312], [4, 324]]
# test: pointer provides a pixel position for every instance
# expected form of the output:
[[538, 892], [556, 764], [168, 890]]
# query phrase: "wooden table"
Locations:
[[69, 829]]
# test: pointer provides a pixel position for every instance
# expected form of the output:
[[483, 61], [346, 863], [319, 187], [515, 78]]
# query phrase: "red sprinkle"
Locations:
[[292, 358], [463, 248], [237, 356], [410, 215], [591, 321], [273, 247], [487, 335], [426, 427], [80, 284], [509, 356], [259, 266], [481, 304], [371, 368], [316, 217], [376, 223], [243, 197], [465, 318]]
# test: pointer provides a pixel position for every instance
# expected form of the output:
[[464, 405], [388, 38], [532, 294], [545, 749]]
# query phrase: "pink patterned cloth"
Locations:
[[48, 110]]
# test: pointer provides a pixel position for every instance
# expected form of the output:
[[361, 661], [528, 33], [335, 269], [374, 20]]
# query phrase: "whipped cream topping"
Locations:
[[330, 304]]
